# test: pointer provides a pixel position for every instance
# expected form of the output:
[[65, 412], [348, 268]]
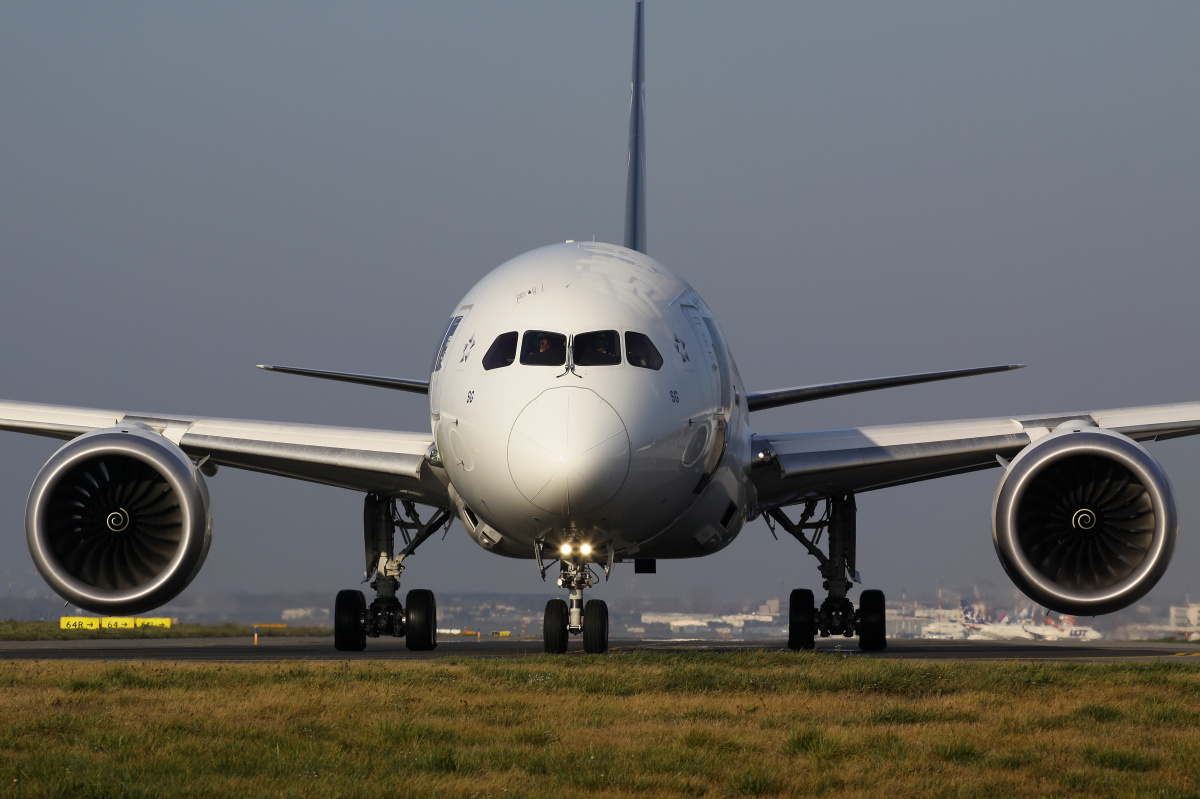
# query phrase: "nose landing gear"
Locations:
[[416, 621], [837, 615], [562, 620]]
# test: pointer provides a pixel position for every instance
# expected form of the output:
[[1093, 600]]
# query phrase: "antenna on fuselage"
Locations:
[[635, 187]]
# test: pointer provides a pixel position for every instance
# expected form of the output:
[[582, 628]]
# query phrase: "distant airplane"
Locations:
[[585, 411], [977, 627], [1065, 629]]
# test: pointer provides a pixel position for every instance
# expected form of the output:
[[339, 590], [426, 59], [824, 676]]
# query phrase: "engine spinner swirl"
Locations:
[[1083, 519], [118, 520]]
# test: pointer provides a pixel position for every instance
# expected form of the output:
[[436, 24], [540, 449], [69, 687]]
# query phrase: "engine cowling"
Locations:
[[117, 521], [1084, 520]]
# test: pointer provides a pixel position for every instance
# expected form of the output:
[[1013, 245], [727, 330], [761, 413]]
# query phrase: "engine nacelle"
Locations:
[[1084, 520], [117, 521]]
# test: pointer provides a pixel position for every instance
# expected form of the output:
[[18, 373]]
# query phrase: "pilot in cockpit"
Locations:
[[597, 350]]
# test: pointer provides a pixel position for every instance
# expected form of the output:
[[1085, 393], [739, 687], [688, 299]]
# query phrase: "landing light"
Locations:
[[585, 549], [565, 549]]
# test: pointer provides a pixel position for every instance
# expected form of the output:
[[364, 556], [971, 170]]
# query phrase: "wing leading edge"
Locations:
[[762, 400], [378, 461], [395, 383], [790, 467]]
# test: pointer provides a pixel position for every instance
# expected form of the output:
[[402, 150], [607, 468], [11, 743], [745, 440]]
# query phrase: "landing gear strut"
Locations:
[[562, 620], [837, 615], [353, 619]]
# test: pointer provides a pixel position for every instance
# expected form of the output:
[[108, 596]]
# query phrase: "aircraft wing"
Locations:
[[791, 467], [378, 461]]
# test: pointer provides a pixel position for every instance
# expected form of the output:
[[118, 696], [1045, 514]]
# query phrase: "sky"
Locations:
[[857, 190]]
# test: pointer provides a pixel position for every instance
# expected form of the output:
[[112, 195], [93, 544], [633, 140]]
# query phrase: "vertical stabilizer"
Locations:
[[635, 188]]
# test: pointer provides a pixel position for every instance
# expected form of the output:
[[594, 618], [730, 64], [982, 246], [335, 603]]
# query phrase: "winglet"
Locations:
[[635, 186]]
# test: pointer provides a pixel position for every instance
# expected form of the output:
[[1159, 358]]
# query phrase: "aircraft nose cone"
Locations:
[[568, 451]]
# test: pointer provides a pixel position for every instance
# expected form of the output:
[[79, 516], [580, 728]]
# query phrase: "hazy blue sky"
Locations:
[[857, 190]]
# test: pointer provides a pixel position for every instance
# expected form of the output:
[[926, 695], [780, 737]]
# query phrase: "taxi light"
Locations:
[[565, 549], [585, 549]]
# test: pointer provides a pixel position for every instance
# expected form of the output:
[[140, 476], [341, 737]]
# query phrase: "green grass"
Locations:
[[50, 631], [624, 724], [1122, 759]]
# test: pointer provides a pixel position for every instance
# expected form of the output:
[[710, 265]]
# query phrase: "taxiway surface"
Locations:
[[278, 649]]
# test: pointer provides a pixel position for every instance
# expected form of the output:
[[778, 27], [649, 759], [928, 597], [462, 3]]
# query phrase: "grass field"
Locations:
[[49, 631], [699, 724]]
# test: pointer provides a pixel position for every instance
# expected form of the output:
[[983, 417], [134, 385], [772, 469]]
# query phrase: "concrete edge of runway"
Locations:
[[321, 648]]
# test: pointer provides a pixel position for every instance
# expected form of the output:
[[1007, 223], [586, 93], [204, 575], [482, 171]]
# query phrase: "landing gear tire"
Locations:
[[554, 627], [349, 632], [595, 626], [872, 621], [802, 620], [420, 630]]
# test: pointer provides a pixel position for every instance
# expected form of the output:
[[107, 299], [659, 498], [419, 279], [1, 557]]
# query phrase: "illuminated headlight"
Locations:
[[565, 549], [585, 549]]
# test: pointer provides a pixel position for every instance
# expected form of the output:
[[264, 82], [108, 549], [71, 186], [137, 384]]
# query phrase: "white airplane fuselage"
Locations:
[[562, 439]]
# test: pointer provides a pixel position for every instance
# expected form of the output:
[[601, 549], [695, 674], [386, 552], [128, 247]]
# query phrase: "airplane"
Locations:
[[978, 627], [1065, 629], [585, 411]]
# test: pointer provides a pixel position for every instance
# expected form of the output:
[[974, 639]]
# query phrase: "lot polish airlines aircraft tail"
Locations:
[[586, 411]]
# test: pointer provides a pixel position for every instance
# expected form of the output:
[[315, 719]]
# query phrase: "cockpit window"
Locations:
[[640, 351], [543, 348], [598, 348], [502, 352], [449, 334]]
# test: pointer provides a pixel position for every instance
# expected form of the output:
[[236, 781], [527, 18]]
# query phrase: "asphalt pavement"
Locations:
[[282, 649]]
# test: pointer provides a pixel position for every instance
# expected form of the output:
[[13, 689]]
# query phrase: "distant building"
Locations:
[[306, 617], [1186, 616], [771, 608]]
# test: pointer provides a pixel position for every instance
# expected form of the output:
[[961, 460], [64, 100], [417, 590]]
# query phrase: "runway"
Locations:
[[286, 649]]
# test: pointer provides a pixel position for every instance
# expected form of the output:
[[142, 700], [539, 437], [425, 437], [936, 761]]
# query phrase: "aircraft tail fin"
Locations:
[[635, 188]]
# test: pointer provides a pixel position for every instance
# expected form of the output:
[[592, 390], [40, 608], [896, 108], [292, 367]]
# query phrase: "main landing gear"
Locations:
[[837, 615], [416, 620], [562, 620]]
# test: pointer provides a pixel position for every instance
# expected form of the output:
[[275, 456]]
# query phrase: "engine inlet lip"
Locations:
[[176, 470], [1063, 445]]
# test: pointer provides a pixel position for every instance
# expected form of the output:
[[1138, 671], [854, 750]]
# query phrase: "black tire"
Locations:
[[872, 619], [349, 634], [802, 620], [595, 626], [554, 627], [420, 627]]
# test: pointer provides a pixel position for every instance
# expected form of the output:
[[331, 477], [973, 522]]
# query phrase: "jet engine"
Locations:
[[117, 521], [1084, 520]]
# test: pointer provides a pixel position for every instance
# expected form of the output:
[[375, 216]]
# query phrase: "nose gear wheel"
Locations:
[[554, 627], [595, 627]]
